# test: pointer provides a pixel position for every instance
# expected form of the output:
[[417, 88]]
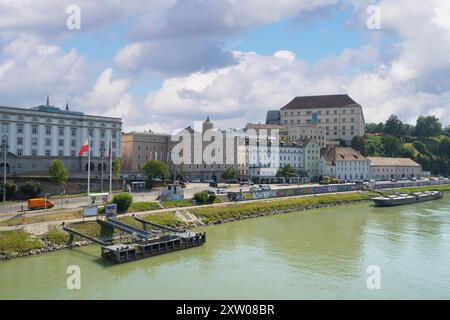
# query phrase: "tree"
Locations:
[[375, 127], [393, 126], [229, 173], [116, 168], [58, 174], [428, 126], [11, 190], [358, 143], [444, 147], [31, 189], [446, 131], [156, 169], [392, 146], [421, 147], [286, 172]]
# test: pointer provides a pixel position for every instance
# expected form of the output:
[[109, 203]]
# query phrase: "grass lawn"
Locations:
[[67, 215], [17, 241]]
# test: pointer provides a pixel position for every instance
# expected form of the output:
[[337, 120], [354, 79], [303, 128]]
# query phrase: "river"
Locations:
[[321, 253]]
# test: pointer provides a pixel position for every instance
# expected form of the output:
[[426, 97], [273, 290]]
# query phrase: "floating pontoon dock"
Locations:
[[144, 243]]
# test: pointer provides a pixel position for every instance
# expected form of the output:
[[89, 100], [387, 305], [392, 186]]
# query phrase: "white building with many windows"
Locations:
[[338, 115], [36, 136], [344, 164]]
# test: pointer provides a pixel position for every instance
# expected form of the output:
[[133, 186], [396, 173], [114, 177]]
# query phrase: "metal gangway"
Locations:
[[145, 222], [73, 232], [116, 224]]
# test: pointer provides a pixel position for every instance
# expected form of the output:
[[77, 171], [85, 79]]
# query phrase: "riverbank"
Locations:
[[18, 243]]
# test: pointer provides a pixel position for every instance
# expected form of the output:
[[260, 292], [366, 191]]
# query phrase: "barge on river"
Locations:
[[144, 242], [402, 199]]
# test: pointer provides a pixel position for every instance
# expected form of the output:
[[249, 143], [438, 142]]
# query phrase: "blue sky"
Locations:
[[164, 63]]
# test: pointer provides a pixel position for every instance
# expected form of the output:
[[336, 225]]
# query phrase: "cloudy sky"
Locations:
[[162, 64]]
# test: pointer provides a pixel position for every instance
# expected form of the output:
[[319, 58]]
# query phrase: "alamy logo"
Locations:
[[374, 17], [73, 22], [374, 280], [73, 282]]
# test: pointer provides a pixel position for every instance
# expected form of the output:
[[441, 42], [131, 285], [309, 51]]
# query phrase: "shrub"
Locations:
[[123, 201], [201, 197], [204, 198], [11, 190], [31, 189]]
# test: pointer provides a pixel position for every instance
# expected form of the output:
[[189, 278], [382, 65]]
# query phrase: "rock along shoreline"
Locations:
[[48, 246]]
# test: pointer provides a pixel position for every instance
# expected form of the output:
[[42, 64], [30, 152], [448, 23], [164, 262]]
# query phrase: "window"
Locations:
[[48, 142], [61, 131], [5, 127], [60, 153], [72, 154], [19, 141], [61, 142], [34, 141], [19, 152], [34, 153], [91, 132], [73, 132], [102, 133], [20, 128], [34, 129], [48, 130], [73, 143], [47, 153], [33, 166]]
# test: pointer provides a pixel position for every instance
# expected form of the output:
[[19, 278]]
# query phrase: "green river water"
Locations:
[[307, 255]]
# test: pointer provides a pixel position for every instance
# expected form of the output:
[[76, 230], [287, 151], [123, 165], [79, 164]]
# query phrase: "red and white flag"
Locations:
[[84, 147]]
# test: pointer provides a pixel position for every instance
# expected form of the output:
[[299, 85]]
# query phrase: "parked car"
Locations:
[[222, 191], [213, 184], [209, 191], [195, 181], [208, 181], [255, 189], [265, 187]]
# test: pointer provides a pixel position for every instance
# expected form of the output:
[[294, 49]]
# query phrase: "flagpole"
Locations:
[[89, 169], [110, 168]]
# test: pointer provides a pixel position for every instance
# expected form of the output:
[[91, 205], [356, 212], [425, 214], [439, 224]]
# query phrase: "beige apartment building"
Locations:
[[338, 115], [200, 168], [313, 133], [140, 147], [394, 168]]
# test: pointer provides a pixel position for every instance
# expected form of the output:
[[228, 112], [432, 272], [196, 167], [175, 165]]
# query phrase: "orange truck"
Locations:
[[40, 203]]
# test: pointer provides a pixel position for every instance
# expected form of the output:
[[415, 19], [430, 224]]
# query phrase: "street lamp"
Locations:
[[5, 151]]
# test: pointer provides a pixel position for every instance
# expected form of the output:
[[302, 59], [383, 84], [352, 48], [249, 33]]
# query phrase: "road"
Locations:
[[12, 209]]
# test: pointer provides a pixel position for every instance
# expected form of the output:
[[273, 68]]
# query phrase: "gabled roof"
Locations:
[[315, 102], [392, 162], [333, 154]]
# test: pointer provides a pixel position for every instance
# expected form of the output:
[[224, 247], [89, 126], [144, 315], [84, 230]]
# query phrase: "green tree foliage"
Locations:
[[421, 147], [11, 190], [375, 127], [358, 144], [58, 174], [229, 173], [116, 168], [31, 189], [204, 198], [428, 126], [156, 169], [444, 147], [393, 126], [392, 146], [123, 200], [446, 131], [286, 172]]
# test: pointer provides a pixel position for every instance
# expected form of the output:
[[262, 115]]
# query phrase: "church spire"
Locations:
[[207, 119], [48, 99], [67, 105]]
